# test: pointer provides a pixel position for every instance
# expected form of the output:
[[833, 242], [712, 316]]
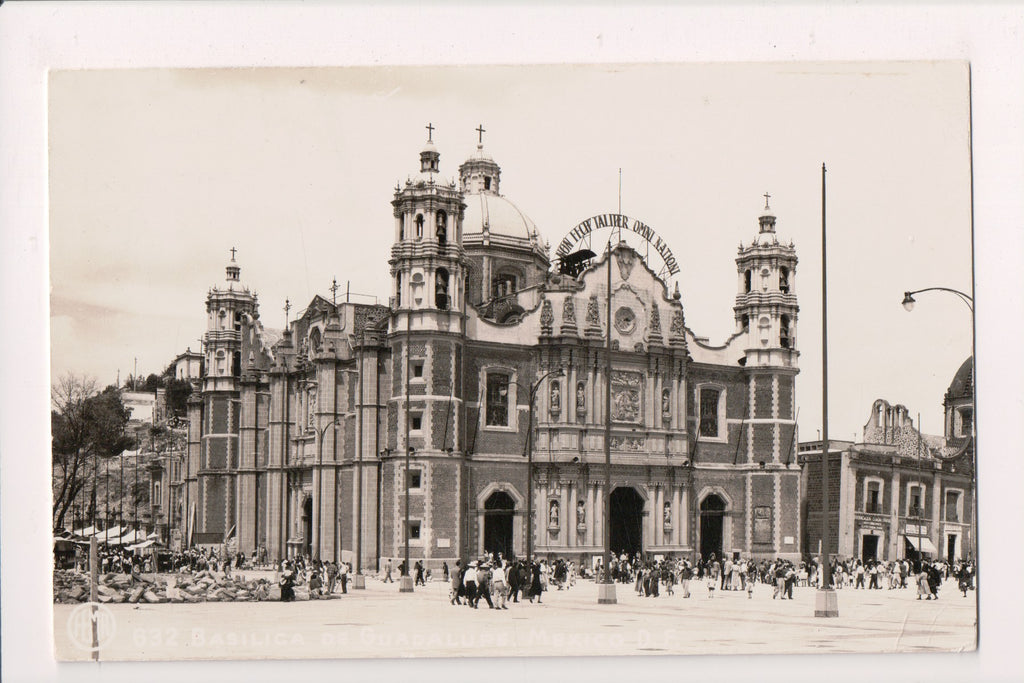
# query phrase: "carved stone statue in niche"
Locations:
[[569, 311], [556, 398], [667, 514], [553, 514], [666, 406], [581, 398], [581, 514], [547, 316]]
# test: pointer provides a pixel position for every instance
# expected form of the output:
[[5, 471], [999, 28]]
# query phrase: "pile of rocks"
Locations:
[[72, 587]]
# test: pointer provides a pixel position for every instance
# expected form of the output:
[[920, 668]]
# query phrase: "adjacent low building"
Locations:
[[898, 493]]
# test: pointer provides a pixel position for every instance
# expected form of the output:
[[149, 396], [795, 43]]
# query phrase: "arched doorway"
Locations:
[[307, 527], [499, 510], [712, 520], [627, 521]]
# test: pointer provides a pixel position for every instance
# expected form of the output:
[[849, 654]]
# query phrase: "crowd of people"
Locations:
[[497, 580]]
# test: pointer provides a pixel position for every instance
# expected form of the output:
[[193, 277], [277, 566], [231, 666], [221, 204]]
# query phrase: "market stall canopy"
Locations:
[[128, 538], [111, 534], [922, 543]]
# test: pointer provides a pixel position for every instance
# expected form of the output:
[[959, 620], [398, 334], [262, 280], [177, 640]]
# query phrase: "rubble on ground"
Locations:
[[204, 586]]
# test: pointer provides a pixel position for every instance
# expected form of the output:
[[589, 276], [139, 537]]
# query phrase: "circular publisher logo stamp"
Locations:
[[80, 626]]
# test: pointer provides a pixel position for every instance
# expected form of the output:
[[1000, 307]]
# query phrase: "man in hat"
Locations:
[[483, 584]]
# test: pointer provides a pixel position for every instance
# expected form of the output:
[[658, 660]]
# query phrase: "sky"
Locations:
[[156, 173]]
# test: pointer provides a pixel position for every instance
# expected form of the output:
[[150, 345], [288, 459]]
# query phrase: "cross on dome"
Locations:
[[430, 132], [766, 196], [233, 250], [480, 131]]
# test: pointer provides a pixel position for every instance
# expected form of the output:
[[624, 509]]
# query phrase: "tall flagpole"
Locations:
[[826, 604]]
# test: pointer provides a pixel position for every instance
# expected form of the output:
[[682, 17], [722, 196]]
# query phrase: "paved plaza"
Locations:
[[379, 622]]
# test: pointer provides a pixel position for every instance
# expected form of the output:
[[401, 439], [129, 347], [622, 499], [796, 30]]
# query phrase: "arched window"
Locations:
[[401, 229], [314, 339], [709, 402], [784, 337], [746, 281], [236, 364], [222, 318], [419, 226], [497, 384], [398, 289], [745, 321], [441, 289], [442, 227], [222, 362], [784, 280]]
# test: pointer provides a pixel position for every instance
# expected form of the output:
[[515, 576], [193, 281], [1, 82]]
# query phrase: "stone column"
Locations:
[[563, 516], [895, 538], [570, 518], [657, 516], [648, 525], [540, 512], [677, 519], [591, 517], [935, 531], [599, 521]]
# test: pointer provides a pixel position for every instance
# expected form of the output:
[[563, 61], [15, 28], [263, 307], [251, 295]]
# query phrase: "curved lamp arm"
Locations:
[[909, 301]]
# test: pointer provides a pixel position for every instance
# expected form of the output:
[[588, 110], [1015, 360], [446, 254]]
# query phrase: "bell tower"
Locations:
[[426, 340], [766, 314], [427, 259], [226, 308], [766, 308]]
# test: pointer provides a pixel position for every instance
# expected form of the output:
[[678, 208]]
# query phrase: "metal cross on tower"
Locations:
[[480, 131], [430, 132], [233, 250], [766, 196], [334, 291]]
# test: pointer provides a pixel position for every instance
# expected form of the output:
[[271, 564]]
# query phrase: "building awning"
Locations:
[[922, 543]]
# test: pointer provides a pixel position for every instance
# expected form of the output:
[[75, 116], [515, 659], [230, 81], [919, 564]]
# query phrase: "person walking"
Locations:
[[483, 584], [535, 584], [469, 581], [456, 581], [288, 583], [343, 576], [332, 577], [387, 573], [499, 586], [685, 574], [419, 574]]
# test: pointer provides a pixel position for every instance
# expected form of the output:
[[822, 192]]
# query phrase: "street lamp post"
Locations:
[[529, 457], [606, 587], [826, 600], [968, 300], [320, 482]]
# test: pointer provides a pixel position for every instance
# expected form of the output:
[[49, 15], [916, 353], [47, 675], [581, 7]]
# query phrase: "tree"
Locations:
[[178, 391], [86, 425]]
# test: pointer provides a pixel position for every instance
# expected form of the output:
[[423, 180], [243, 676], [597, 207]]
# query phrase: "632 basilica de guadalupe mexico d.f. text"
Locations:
[[480, 398]]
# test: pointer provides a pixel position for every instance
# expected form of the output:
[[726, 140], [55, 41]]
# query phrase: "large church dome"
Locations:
[[489, 212], [486, 210]]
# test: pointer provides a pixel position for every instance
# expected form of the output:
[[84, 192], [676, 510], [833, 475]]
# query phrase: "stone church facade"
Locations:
[[299, 439]]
